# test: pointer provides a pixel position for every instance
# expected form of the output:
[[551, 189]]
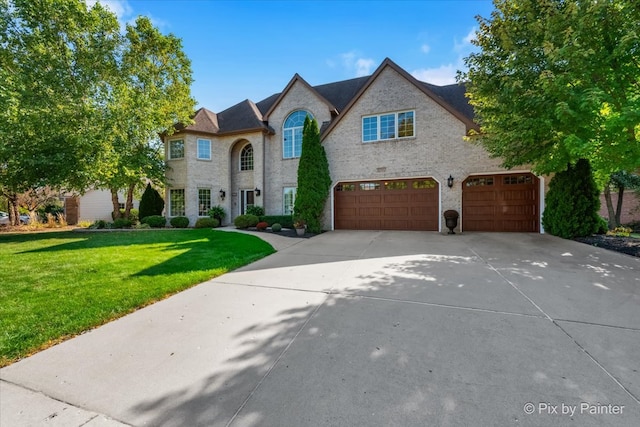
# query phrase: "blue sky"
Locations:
[[251, 49]]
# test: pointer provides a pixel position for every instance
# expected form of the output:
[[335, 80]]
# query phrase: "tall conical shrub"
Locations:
[[572, 203], [151, 203], [314, 180]]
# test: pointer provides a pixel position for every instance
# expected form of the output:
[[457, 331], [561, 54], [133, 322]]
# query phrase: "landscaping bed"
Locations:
[[625, 245]]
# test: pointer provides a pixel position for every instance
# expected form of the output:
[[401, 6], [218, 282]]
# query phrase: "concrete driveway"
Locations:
[[363, 329]]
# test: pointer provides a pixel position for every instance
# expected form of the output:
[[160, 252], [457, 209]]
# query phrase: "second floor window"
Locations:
[[292, 134], [388, 126], [204, 149], [246, 158], [176, 149]]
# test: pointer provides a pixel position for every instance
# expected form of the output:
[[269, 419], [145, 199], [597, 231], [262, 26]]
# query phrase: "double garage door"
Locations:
[[403, 204], [503, 202], [507, 202]]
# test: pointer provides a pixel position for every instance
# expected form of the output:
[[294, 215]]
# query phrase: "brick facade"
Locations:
[[437, 150]]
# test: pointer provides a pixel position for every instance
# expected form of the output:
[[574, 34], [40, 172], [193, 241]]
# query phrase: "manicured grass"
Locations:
[[58, 284]]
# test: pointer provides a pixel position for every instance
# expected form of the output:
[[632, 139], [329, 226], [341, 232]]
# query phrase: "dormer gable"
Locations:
[[298, 79], [421, 86]]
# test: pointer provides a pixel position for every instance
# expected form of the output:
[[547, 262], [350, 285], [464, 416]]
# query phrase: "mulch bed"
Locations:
[[285, 232], [626, 245]]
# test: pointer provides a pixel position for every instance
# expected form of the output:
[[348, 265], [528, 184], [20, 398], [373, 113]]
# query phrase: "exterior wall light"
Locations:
[[257, 190], [222, 194], [450, 181]]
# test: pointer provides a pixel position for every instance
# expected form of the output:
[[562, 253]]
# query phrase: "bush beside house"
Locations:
[[572, 203]]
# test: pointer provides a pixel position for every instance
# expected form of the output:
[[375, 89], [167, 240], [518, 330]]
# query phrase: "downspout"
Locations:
[[264, 182]]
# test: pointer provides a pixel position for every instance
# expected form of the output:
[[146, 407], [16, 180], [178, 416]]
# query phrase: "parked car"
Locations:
[[25, 219], [4, 218]]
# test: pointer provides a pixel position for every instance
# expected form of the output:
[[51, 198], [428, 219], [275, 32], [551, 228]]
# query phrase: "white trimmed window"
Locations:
[[204, 149], [176, 149], [246, 158], [288, 200], [176, 202], [388, 126], [292, 134], [204, 201]]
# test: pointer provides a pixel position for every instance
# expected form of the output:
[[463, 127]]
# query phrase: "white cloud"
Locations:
[[355, 63], [364, 67], [465, 45], [442, 75], [425, 48], [445, 74]]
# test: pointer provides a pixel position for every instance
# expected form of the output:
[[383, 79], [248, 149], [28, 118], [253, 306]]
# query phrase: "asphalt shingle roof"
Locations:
[[247, 115]]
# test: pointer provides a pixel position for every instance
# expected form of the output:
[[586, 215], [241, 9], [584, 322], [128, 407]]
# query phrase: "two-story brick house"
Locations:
[[396, 150]]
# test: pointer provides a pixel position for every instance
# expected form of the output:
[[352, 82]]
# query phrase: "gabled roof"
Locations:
[[339, 97], [297, 79], [451, 92], [242, 117]]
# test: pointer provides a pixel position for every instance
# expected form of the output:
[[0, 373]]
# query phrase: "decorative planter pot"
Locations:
[[300, 231], [451, 220]]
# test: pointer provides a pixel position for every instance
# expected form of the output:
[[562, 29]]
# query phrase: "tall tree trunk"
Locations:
[[129, 203], [619, 204], [610, 210], [116, 203], [14, 214]]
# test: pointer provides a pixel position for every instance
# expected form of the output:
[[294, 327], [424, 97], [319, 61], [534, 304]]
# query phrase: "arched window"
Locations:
[[246, 158], [292, 134]]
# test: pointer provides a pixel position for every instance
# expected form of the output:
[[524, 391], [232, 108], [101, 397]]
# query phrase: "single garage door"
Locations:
[[501, 203], [403, 204]]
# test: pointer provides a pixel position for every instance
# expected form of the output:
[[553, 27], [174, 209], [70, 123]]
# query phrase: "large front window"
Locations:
[[388, 126], [176, 200], [289, 200], [204, 149], [204, 201], [292, 134], [176, 149]]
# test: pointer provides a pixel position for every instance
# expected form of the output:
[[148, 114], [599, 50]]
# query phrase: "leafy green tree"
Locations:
[[151, 94], [314, 179], [556, 81], [572, 203], [151, 203], [55, 62]]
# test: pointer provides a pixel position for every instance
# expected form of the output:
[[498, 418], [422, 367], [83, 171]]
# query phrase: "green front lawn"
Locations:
[[56, 285]]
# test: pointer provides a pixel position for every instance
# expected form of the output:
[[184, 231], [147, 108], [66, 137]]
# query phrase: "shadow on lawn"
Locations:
[[195, 250]]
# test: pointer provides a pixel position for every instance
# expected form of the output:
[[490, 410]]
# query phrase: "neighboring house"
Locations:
[[396, 152], [92, 206], [630, 211]]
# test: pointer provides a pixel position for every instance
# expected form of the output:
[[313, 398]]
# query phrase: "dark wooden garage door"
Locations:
[[501, 203], [405, 204]]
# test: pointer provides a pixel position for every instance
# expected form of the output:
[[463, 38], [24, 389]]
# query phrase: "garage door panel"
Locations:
[[396, 199], [424, 211], [428, 198], [501, 203], [387, 205], [400, 211], [369, 211], [369, 199]]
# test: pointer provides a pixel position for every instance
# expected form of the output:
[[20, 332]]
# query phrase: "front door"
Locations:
[[246, 200]]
